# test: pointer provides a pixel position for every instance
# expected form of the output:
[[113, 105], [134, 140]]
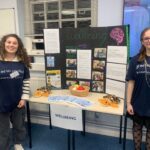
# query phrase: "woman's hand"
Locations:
[[21, 103], [130, 109], [130, 87]]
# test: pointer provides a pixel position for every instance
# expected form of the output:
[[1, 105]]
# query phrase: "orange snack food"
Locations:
[[110, 100], [37, 93], [43, 91]]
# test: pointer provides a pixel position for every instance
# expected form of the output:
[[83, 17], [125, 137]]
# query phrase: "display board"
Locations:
[[96, 57]]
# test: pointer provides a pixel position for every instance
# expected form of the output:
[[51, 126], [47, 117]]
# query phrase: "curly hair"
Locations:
[[21, 52], [142, 53]]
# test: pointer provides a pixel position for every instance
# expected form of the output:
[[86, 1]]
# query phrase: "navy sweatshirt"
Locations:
[[141, 92], [12, 77]]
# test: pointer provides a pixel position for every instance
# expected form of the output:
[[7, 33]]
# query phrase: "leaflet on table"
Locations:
[[70, 99]]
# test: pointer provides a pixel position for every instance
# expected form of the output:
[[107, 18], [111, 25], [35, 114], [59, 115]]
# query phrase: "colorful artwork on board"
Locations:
[[117, 34]]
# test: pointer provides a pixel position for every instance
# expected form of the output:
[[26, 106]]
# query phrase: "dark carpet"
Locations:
[[44, 138]]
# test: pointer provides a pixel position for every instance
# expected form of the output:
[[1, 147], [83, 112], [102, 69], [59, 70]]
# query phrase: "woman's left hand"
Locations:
[[21, 103]]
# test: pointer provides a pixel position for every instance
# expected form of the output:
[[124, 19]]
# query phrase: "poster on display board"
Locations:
[[87, 56]]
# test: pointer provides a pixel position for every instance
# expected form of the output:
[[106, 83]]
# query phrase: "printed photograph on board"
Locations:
[[100, 52], [96, 75], [71, 53], [98, 64], [71, 63], [98, 86], [71, 73]]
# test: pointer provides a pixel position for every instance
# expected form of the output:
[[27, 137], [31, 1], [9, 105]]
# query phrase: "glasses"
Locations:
[[146, 39]]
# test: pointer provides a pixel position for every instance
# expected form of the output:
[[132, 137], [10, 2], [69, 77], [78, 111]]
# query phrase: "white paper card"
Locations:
[[66, 117]]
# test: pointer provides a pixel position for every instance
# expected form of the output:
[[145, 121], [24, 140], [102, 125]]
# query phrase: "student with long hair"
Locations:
[[14, 90], [138, 91]]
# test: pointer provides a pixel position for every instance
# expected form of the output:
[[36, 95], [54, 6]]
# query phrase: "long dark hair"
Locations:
[[142, 53], [21, 52]]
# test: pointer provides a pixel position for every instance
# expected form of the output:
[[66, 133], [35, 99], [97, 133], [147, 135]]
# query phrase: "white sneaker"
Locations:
[[18, 147]]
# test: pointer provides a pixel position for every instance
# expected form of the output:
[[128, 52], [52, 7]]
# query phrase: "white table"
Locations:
[[92, 97]]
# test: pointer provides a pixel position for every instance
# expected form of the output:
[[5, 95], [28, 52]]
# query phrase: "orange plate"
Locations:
[[114, 105], [107, 102], [104, 101]]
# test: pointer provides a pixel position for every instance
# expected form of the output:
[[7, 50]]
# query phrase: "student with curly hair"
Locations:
[[14, 90]]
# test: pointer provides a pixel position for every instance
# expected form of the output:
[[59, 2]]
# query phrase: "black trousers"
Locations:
[[17, 118]]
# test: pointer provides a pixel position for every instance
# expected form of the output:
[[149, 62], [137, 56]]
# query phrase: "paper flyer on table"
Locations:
[[70, 99]]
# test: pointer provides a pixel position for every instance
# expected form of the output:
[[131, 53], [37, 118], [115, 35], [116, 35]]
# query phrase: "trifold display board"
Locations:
[[96, 57]]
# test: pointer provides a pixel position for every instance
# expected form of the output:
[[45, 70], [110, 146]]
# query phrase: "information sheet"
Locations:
[[51, 40], [116, 71], [117, 54], [84, 64], [115, 87]]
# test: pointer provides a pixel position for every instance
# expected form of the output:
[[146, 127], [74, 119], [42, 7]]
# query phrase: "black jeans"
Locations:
[[17, 118]]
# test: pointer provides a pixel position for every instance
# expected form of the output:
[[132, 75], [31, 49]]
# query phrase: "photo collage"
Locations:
[[97, 70]]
